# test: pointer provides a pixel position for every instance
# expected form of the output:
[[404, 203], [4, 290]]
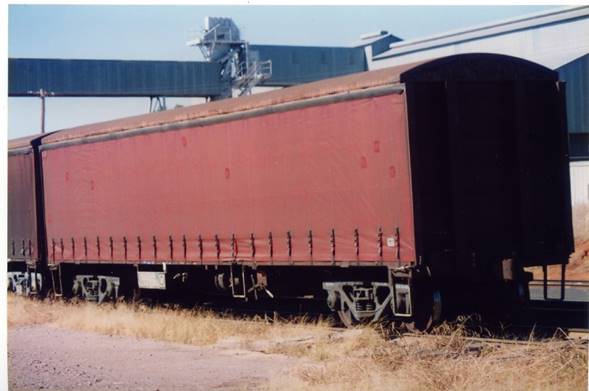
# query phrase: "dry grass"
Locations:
[[368, 361], [193, 327], [357, 359]]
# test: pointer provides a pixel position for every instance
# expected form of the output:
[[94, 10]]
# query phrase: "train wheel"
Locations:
[[431, 313], [345, 316], [77, 292], [427, 312], [51, 296]]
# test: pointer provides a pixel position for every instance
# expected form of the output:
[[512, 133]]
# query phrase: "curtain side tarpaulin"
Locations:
[[321, 181], [22, 224]]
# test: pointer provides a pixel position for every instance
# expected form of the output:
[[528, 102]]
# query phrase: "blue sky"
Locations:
[[160, 32]]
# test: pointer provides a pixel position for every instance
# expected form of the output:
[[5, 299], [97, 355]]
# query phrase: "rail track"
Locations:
[[575, 290], [576, 283], [570, 314], [547, 316], [521, 331], [540, 318]]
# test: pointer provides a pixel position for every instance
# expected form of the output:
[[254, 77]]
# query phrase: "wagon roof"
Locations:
[[22, 142], [474, 66], [337, 85]]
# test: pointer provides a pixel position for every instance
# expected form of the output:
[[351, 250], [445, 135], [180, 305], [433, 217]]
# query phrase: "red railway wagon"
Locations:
[[383, 192], [24, 216]]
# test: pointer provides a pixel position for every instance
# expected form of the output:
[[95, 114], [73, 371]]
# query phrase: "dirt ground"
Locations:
[[42, 357], [55, 345]]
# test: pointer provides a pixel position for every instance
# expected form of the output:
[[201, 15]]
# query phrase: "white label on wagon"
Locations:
[[391, 242], [151, 280]]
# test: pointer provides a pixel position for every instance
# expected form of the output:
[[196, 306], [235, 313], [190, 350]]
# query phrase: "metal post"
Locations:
[[562, 282], [41, 93], [545, 281], [157, 103], [563, 268]]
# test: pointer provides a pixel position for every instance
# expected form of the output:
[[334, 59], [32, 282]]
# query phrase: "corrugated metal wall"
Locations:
[[301, 64], [114, 78], [580, 182], [576, 75]]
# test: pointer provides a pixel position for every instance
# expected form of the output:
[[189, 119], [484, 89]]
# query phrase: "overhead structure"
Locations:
[[232, 66], [293, 65], [220, 39], [113, 78], [221, 43], [246, 65]]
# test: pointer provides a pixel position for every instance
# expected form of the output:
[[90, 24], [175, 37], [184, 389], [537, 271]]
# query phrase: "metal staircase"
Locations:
[[251, 75], [220, 42]]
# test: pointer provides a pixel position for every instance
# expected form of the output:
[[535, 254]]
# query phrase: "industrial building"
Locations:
[[556, 39]]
